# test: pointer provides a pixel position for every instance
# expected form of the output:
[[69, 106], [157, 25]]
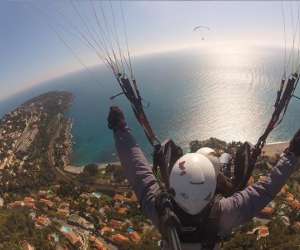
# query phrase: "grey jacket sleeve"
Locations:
[[138, 172], [244, 205]]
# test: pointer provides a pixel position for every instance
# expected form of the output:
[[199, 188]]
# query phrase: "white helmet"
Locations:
[[212, 156], [206, 151], [193, 179]]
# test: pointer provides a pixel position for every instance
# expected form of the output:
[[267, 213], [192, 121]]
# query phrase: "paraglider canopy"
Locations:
[[201, 27], [202, 30]]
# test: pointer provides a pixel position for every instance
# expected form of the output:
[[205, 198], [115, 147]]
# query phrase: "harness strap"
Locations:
[[201, 228], [169, 222]]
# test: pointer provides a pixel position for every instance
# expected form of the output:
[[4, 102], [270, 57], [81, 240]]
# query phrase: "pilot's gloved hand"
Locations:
[[116, 119], [294, 146]]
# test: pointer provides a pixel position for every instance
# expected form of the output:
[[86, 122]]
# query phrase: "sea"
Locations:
[[189, 94]]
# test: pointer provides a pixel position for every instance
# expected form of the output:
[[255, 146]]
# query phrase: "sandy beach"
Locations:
[[275, 148]]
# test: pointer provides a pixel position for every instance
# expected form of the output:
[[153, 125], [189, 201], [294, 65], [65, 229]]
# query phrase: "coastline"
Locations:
[[270, 149]]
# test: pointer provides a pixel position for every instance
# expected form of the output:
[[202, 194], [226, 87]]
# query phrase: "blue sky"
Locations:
[[31, 52]]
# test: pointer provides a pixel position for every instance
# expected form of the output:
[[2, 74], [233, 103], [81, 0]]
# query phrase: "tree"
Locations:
[[90, 170]]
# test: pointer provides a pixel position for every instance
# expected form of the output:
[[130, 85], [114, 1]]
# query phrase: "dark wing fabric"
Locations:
[[242, 166]]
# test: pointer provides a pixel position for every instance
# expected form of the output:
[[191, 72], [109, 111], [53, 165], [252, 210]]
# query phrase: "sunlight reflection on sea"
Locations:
[[199, 93]]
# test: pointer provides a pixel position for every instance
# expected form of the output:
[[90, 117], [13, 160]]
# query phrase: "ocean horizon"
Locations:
[[193, 94]]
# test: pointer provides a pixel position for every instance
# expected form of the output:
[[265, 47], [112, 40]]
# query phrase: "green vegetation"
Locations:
[[17, 226], [216, 144]]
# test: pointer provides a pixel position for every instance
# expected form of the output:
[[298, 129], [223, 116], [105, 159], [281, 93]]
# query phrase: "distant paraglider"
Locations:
[[202, 29]]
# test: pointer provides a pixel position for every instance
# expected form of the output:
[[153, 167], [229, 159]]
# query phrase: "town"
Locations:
[[51, 206], [29, 137], [45, 203]]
